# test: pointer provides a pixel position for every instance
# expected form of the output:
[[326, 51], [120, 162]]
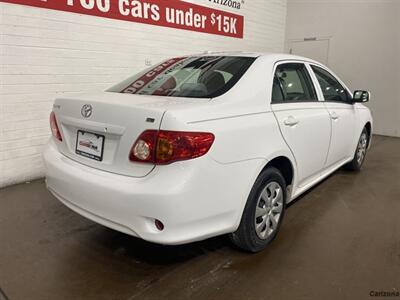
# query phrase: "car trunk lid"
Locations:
[[98, 130]]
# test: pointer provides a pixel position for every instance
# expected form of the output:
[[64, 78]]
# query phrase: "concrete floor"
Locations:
[[341, 240]]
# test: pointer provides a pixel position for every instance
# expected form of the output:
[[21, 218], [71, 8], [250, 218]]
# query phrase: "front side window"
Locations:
[[330, 86], [194, 77], [292, 83]]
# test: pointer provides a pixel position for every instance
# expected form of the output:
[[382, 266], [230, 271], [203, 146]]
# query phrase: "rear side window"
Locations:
[[330, 86], [292, 83], [194, 77]]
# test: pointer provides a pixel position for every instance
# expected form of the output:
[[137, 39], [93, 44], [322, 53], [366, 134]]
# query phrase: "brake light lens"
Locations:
[[165, 147], [54, 127]]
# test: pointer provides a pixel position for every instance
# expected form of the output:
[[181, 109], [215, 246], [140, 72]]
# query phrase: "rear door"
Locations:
[[342, 113], [303, 120]]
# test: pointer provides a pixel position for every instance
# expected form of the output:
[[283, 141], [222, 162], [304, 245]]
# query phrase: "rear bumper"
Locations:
[[195, 199]]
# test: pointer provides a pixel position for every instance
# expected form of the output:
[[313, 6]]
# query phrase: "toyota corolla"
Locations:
[[205, 145]]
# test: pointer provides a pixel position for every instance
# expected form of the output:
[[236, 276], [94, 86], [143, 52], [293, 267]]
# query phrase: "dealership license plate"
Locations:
[[90, 145]]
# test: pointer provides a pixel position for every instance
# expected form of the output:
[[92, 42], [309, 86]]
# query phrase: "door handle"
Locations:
[[291, 121], [334, 116]]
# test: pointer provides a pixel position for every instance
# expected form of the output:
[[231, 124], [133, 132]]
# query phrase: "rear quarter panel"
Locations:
[[243, 146], [245, 137]]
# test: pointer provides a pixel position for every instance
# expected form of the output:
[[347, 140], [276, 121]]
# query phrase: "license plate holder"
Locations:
[[90, 145]]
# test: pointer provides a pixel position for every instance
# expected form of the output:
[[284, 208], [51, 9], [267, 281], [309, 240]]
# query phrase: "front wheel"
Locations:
[[359, 155], [263, 212]]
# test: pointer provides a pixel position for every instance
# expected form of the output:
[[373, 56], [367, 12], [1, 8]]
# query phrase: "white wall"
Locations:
[[44, 53], [364, 48]]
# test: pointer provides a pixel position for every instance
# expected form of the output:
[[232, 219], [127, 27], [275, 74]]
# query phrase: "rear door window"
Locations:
[[194, 77], [292, 83]]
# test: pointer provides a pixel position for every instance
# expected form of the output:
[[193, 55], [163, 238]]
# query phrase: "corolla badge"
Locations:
[[86, 110]]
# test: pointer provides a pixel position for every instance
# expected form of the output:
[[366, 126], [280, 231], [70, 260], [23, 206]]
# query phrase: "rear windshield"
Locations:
[[194, 77]]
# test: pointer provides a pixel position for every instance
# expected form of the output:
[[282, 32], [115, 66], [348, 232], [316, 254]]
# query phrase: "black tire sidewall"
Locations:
[[246, 233]]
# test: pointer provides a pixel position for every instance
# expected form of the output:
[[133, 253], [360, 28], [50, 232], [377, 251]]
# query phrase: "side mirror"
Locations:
[[361, 96]]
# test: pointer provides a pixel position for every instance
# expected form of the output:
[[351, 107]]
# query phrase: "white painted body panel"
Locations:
[[343, 131], [308, 139], [203, 197], [189, 211]]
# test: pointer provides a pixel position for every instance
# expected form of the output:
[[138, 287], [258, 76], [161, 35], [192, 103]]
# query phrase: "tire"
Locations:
[[269, 195], [360, 153]]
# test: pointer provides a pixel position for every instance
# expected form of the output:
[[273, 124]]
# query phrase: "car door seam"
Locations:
[[283, 137], [330, 136]]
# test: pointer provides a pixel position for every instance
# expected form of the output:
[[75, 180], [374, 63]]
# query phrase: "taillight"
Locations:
[[54, 127], [164, 147], [143, 149]]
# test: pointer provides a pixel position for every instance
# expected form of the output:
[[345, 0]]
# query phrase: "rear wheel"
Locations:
[[361, 151], [263, 212]]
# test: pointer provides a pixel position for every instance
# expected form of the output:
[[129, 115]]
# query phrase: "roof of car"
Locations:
[[270, 55]]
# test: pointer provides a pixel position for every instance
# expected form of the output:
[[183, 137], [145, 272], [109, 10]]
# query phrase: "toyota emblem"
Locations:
[[86, 110]]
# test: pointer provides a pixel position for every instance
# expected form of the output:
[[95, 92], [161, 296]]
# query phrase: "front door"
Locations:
[[303, 120], [343, 116]]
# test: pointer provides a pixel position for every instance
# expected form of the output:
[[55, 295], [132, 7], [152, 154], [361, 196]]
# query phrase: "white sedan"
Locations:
[[205, 145]]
